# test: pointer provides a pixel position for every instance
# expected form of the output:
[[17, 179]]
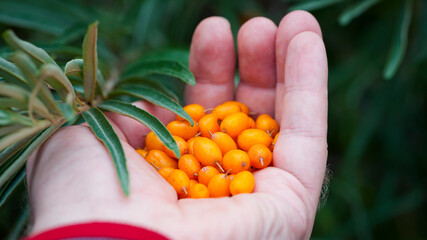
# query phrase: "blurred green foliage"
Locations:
[[377, 53]]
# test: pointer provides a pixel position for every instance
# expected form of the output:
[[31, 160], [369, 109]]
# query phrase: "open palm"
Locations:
[[283, 72]]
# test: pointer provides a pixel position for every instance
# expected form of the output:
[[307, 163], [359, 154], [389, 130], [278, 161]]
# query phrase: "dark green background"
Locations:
[[377, 127]]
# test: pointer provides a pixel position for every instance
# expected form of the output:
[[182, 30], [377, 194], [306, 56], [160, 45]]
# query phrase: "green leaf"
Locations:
[[105, 132], [12, 149], [30, 71], [24, 154], [22, 96], [20, 225], [145, 118], [7, 103], [23, 133], [164, 67], [171, 54], [313, 5], [7, 191], [54, 76], [355, 10], [155, 97], [400, 42], [75, 68], [11, 73], [9, 117], [37, 54], [90, 61]]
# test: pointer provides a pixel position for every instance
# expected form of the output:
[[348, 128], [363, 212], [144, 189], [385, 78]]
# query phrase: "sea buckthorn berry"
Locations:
[[234, 124], [260, 156], [206, 173], [193, 182], [250, 137], [244, 109], [190, 143], [160, 159], [268, 124], [182, 129], [225, 109], [164, 172], [243, 182], [251, 123], [219, 186], [236, 161], [141, 152], [208, 125], [273, 144], [152, 142], [182, 145], [179, 181], [224, 142], [198, 191], [207, 152], [189, 164], [196, 111]]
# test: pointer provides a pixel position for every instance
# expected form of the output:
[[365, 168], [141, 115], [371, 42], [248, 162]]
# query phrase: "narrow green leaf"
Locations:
[[400, 42], [30, 71], [36, 53], [10, 117], [54, 76], [164, 67], [90, 61], [12, 149], [24, 154], [145, 118], [22, 96], [155, 97], [7, 191], [8, 103], [171, 54], [23, 133], [355, 10], [11, 73], [105, 132], [5, 130], [75, 68], [313, 5]]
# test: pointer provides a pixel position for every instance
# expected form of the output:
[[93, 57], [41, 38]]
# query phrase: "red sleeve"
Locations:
[[98, 230]]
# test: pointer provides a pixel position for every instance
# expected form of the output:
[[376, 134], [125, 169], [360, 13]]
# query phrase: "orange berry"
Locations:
[[268, 124], [273, 144], [182, 145], [224, 142], [251, 123], [160, 159], [196, 111], [193, 182], [141, 152], [189, 164], [236, 161], [243, 182], [219, 186], [152, 142], [190, 143], [182, 129], [206, 173], [225, 109], [179, 181], [207, 152], [250, 137], [198, 191], [164, 172], [260, 156], [244, 109], [234, 124], [208, 125]]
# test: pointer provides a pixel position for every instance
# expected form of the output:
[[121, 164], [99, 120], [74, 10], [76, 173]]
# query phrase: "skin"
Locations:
[[72, 179]]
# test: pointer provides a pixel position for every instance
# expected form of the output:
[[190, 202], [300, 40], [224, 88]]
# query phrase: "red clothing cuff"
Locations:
[[98, 230]]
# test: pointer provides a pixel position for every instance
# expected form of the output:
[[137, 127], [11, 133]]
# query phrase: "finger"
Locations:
[[291, 25], [301, 147], [212, 61], [257, 65], [134, 131]]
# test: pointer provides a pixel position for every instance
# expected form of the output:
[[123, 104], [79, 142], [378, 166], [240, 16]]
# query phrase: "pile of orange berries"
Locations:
[[218, 153]]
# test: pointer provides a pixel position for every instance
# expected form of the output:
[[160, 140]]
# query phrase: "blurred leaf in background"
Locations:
[[377, 55]]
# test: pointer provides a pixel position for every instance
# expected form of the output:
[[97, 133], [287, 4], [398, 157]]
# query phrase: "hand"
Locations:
[[283, 71]]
